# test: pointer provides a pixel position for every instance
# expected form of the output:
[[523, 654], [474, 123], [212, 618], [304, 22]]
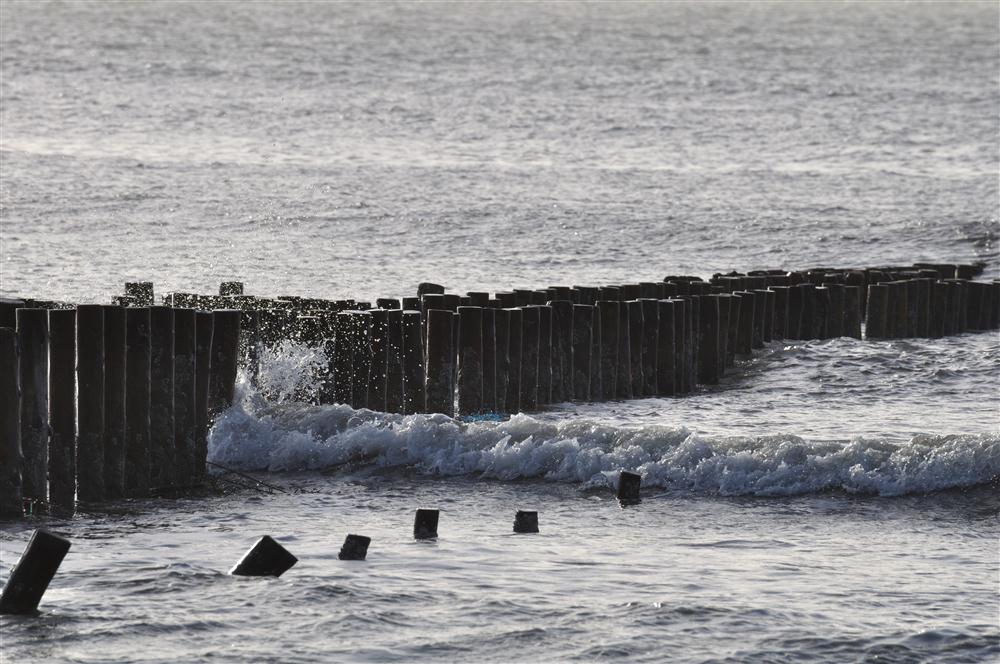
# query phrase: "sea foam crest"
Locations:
[[259, 435]]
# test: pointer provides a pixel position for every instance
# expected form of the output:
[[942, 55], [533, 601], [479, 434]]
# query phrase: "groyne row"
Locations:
[[115, 401]]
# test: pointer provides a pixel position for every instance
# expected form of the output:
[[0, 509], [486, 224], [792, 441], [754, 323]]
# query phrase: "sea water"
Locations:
[[830, 501]]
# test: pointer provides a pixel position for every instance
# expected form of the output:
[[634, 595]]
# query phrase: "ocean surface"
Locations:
[[830, 501]]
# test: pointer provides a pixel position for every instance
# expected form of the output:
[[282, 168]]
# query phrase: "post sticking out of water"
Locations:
[[140, 293], [114, 400], [470, 360], [628, 488], [231, 288], [62, 410], [224, 355], [33, 572], [265, 558], [489, 360], [582, 320], [162, 449], [204, 331], [526, 522], [413, 364], [90, 367], [355, 546], [876, 320], [378, 344], [136, 465], [529, 357], [185, 375], [10, 427], [440, 358], [33, 366], [425, 524], [394, 394], [514, 324]]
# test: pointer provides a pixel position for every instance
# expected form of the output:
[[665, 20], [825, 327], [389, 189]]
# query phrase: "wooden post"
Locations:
[[582, 318], [162, 448], [596, 385], [609, 316], [489, 359], [649, 346], [90, 402], [852, 312], [62, 409], [440, 358], [562, 349], [185, 408], [378, 344], [114, 401], [923, 304], [744, 337], [394, 370], [501, 328], [515, 322], [694, 340], [545, 354], [32, 574], [529, 357], [796, 311], [820, 312], [225, 352], [470, 360], [8, 311], [33, 342], [665, 350], [708, 343], [204, 324], [780, 325], [623, 382], [11, 458], [231, 288], [413, 364], [682, 341], [137, 366], [759, 318], [724, 300], [140, 292], [898, 310], [835, 317], [634, 329], [343, 363], [877, 316], [361, 362]]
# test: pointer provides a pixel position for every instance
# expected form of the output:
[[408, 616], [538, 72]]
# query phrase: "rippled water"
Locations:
[[829, 501]]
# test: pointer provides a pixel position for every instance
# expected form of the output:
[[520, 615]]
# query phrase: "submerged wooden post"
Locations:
[[204, 333], [608, 312], [185, 393], [33, 366], [413, 364], [440, 358], [224, 356], [529, 357], [470, 360], [33, 572], [394, 365], [378, 344], [582, 324], [161, 396], [90, 402], [137, 364], [514, 347], [114, 401], [10, 427], [489, 360], [501, 361], [62, 409]]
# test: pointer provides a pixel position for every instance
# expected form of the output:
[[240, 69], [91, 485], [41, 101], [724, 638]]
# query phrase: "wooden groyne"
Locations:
[[115, 401]]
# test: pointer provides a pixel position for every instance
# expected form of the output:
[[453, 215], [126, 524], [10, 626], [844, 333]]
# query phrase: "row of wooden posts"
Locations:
[[102, 402]]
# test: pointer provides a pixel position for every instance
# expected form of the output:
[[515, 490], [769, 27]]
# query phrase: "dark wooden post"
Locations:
[[596, 349], [470, 360], [413, 364], [650, 349], [32, 574], [440, 358], [62, 409], [835, 317], [923, 305], [137, 366], [780, 325], [562, 348], [608, 312], [362, 358], [161, 396], [725, 303], [623, 377], [876, 318], [378, 344], [694, 339], [501, 327], [708, 344], [582, 318], [759, 316], [140, 292], [514, 347], [489, 359], [912, 287], [744, 337], [343, 363], [11, 458], [545, 355], [529, 358], [33, 342], [394, 370], [852, 312], [204, 333], [796, 311], [634, 329], [665, 351], [225, 352], [682, 341], [185, 373], [90, 401], [820, 312], [114, 401], [899, 309], [231, 288]]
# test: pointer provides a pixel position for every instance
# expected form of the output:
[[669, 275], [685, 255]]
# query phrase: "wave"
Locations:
[[258, 435]]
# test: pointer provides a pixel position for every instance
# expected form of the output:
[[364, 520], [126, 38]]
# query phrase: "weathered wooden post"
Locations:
[[694, 339], [682, 342], [634, 330], [161, 396], [582, 321], [32, 574], [779, 327], [835, 315], [876, 318], [514, 347], [820, 312], [361, 322], [114, 401], [343, 363], [708, 344], [440, 358], [852, 312], [759, 317], [185, 372], [623, 377], [428, 287], [501, 328], [796, 311], [923, 304], [90, 402], [394, 392], [8, 311], [378, 344], [529, 358], [489, 359], [562, 350], [204, 324], [665, 350], [62, 409], [231, 288], [10, 427], [912, 287], [225, 351], [544, 355], [725, 300], [744, 337], [898, 310], [470, 360], [413, 364], [33, 342], [137, 391], [650, 349], [596, 346], [608, 312], [140, 292]]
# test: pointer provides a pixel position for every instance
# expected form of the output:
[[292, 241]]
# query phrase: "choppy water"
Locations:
[[831, 501]]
